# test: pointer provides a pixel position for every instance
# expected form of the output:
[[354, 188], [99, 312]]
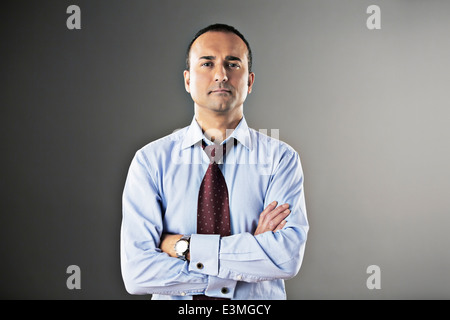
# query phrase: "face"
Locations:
[[218, 79]]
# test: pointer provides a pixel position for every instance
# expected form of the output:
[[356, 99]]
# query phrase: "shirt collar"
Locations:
[[194, 134], [242, 134]]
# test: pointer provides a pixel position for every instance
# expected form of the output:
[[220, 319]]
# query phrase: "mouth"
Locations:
[[220, 91]]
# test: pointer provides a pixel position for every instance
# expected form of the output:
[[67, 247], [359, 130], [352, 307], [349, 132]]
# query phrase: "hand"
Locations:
[[167, 244], [272, 218]]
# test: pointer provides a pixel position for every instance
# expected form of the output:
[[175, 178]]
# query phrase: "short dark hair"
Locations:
[[220, 27]]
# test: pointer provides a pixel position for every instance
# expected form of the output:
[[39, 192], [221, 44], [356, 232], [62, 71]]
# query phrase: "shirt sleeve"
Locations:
[[267, 256], [145, 268]]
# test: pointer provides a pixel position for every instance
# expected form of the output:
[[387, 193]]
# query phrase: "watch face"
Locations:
[[181, 246]]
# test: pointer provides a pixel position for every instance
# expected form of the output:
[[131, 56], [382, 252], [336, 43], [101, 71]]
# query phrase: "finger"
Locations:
[[277, 211], [271, 217], [280, 209], [280, 226], [276, 220], [268, 209]]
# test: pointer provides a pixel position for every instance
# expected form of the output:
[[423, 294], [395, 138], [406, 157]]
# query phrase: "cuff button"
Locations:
[[224, 290], [200, 265]]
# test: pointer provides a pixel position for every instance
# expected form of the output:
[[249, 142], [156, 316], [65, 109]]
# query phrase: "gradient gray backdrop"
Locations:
[[368, 112]]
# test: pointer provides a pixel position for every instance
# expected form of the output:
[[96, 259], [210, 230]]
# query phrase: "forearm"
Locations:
[[244, 257], [147, 270]]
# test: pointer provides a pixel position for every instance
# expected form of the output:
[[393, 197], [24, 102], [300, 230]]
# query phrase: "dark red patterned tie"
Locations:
[[213, 211]]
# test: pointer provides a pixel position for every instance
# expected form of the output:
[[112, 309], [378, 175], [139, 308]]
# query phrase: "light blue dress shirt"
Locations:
[[160, 196]]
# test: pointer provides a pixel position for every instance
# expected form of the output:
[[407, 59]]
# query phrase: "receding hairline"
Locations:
[[220, 31]]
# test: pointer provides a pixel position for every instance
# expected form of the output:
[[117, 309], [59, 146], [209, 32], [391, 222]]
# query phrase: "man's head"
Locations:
[[218, 27], [218, 74]]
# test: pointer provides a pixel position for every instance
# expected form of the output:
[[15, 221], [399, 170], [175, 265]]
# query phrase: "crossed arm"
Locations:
[[271, 219], [278, 255]]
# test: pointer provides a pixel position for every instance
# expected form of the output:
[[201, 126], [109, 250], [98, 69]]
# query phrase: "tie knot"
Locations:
[[215, 152]]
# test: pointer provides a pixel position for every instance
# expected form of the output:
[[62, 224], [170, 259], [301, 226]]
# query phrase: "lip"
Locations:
[[221, 91]]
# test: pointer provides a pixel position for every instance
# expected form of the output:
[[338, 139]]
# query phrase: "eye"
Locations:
[[207, 64], [233, 65]]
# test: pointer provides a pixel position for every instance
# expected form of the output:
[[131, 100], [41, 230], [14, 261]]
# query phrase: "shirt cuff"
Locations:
[[220, 288], [204, 254]]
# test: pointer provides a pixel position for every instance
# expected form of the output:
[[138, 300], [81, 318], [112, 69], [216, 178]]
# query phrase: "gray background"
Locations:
[[368, 111]]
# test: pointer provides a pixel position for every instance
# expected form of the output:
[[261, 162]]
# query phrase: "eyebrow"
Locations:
[[229, 58]]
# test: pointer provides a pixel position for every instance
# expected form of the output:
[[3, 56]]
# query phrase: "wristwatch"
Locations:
[[182, 247]]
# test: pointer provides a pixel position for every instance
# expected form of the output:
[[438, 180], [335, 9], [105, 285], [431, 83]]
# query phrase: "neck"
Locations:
[[217, 126]]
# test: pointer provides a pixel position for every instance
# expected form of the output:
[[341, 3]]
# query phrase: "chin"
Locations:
[[219, 108]]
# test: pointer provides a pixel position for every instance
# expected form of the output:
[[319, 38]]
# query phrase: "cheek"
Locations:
[[198, 82], [242, 85]]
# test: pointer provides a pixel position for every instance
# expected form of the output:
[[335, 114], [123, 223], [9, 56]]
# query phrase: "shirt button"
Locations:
[[224, 290], [200, 265], [239, 277], [183, 294]]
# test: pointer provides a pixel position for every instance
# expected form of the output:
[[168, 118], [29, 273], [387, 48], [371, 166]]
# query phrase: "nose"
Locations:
[[221, 74]]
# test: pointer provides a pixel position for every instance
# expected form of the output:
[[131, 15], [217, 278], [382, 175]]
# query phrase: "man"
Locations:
[[167, 249]]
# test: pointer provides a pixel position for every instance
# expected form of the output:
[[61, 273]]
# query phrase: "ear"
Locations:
[[251, 80], [187, 80]]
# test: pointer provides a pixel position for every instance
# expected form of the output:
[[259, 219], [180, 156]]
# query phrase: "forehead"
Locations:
[[215, 43]]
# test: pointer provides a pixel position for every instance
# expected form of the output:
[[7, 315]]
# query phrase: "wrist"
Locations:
[[181, 247]]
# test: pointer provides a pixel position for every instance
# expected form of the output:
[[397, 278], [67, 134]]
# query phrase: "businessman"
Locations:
[[215, 210]]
